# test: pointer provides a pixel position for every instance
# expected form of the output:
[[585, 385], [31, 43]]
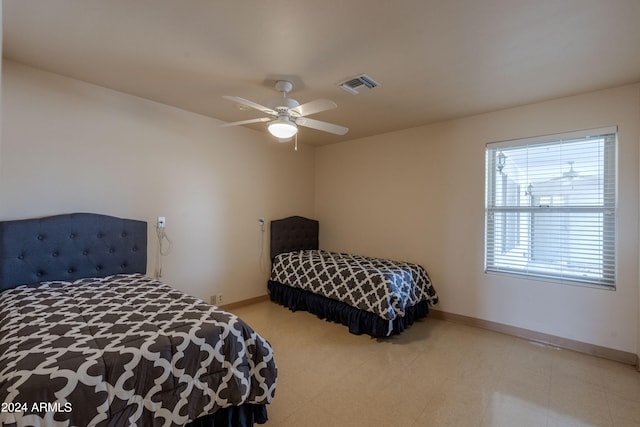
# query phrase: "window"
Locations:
[[550, 207]]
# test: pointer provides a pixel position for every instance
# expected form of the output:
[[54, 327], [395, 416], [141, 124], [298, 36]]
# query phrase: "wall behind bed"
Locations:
[[418, 195], [68, 146]]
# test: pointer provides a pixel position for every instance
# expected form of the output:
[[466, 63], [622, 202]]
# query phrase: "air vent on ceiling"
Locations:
[[362, 81]]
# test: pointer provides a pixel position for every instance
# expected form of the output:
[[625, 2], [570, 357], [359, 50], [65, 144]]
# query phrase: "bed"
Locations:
[[87, 339], [372, 296]]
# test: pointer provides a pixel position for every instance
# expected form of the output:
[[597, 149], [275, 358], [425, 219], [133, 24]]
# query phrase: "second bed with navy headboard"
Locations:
[[373, 296]]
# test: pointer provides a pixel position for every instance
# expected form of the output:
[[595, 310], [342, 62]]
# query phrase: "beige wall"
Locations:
[[418, 195], [69, 146]]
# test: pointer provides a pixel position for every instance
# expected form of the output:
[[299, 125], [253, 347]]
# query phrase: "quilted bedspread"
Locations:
[[380, 286], [124, 350]]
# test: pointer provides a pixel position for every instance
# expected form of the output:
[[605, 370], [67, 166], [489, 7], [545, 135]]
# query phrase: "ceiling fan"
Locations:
[[572, 177], [286, 114], [569, 175]]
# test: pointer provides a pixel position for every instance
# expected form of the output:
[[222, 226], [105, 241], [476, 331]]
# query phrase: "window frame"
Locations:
[[494, 240]]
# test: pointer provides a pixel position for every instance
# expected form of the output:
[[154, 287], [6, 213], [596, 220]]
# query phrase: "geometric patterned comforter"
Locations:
[[383, 287], [124, 350]]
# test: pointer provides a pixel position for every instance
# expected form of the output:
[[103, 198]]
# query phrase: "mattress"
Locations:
[[383, 287], [123, 350]]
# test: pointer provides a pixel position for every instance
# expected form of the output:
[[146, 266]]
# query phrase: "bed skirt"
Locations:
[[245, 415], [358, 321]]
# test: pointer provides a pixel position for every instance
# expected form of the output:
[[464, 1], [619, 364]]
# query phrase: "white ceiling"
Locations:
[[435, 59]]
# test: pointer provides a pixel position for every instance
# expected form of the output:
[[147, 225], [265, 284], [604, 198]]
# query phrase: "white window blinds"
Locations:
[[550, 207]]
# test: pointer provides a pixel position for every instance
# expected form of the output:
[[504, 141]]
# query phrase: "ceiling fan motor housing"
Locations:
[[283, 104]]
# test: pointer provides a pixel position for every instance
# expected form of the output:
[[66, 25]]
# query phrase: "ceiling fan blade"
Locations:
[[323, 126], [313, 107], [251, 104], [246, 122]]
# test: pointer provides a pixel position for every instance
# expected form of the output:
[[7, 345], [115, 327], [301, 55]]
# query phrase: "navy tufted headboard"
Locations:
[[70, 247], [293, 234]]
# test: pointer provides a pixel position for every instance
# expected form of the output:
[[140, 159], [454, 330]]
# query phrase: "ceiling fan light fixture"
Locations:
[[282, 128]]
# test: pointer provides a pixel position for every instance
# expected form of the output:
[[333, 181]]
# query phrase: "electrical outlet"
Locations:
[[261, 221], [218, 299], [161, 222]]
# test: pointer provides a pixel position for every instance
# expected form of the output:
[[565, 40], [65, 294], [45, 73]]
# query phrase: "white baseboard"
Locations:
[[594, 350], [242, 303]]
